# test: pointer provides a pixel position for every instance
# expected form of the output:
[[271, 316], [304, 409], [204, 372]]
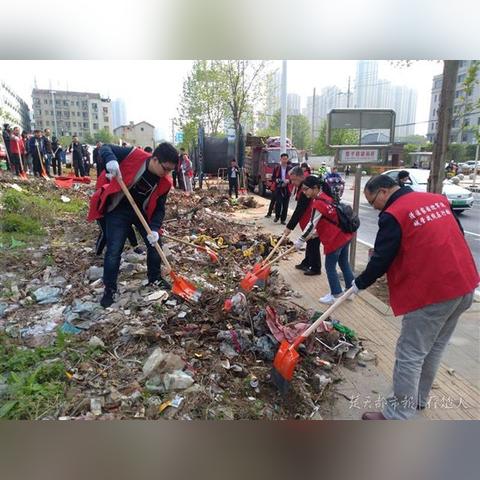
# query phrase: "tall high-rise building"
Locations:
[[119, 112], [71, 113], [272, 94], [13, 109], [374, 92], [457, 134], [293, 104]]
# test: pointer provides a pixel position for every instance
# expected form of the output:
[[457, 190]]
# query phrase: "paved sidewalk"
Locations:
[[453, 397]]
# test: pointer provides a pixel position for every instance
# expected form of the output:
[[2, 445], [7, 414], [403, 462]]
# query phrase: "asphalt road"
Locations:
[[470, 220]]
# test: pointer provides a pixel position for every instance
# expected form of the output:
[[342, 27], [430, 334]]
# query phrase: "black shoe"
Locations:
[[160, 283], [268, 215], [311, 273], [107, 299], [301, 266], [283, 223], [275, 220], [139, 250]]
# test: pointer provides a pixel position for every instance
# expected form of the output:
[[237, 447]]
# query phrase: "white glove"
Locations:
[[299, 243], [153, 238], [355, 289], [113, 168]]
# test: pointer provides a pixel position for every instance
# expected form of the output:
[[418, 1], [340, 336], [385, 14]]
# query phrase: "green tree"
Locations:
[[339, 137], [298, 129], [204, 98], [244, 80]]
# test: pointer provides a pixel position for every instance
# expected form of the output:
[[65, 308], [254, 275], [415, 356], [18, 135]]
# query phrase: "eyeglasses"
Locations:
[[371, 202]]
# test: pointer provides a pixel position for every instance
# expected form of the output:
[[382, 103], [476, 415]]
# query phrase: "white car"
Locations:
[[460, 198]]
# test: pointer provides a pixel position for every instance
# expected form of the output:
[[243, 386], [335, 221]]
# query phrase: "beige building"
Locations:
[[13, 109], [71, 113], [140, 134]]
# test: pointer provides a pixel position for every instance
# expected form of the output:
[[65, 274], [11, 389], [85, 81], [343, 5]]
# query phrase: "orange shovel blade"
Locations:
[[185, 289], [286, 360], [248, 282]]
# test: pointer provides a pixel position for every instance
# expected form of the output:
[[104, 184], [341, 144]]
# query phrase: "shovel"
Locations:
[[251, 278], [287, 356], [181, 286], [42, 163], [213, 255], [258, 269]]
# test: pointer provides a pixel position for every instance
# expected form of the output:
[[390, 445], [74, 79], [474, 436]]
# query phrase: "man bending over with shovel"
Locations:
[[147, 177]]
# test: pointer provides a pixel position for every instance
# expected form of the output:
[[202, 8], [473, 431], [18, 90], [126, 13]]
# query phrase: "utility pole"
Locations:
[[283, 109], [348, 93], [313, 118], [445, 113], [54, 112], [475, 167]]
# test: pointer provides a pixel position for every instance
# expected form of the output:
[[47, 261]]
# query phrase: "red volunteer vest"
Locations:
[[330, 235], [434, 263], [129, 168]]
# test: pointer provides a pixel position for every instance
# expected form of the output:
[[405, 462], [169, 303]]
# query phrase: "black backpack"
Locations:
[[348, 220]]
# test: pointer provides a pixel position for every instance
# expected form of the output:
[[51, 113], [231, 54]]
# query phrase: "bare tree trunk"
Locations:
[[445, 114]]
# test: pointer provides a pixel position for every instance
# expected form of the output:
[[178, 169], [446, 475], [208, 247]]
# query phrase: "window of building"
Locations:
[[438, 83], [47, 123], [85, 125], [85, 114], [142, 129], [464, 137], [433, 113], [467, 122], [435, 98], [67, 124], [105, 110], [478, 121], [95, 116], [65, 103], [462, 64], [74, 124], [458, 93], [77, 103], [105, 119], [433, 126], [95, 126], [455, 123], [94, 106], [78, 114], [461, 78], [45, 102]]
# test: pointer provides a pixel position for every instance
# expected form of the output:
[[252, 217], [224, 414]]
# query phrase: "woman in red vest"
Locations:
[[148, 179], [324, 224], [311, 264], [431, 278]]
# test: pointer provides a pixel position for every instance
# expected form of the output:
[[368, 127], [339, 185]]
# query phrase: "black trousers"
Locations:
[[232, 186], [282, 198], [57, 165], [78, 167], [312, 255], [102, 237], [37, 164], [17, 163]]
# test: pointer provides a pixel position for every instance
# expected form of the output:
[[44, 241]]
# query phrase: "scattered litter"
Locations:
[[96, 342], [44, 295], [366, 356], [177, 380], [161, 362], [158, 296], [96, 406], [65, 199]]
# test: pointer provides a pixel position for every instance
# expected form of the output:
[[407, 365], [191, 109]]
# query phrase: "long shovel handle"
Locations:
[[284, 254], [183, 242], [142, 220], [275, 248], [327, 313]]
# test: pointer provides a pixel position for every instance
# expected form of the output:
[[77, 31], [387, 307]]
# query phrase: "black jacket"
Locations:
[[77, 151], [387, 243], [277, 178], [302, 205]]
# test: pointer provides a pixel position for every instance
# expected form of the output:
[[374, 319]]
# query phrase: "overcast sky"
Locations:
[[152, 88]]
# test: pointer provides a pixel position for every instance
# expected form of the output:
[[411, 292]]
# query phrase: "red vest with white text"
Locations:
[[434, 263], [129, 167]]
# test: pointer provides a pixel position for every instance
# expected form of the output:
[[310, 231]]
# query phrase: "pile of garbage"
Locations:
[[153, 355]]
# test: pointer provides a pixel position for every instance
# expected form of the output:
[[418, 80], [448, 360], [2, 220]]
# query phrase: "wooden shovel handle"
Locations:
[[184, 242], [142, 220], [284, 254], [327, 313], [275, 248]]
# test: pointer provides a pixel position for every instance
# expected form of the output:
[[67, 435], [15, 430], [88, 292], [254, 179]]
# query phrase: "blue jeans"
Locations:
[[339, 256], [118, 224]]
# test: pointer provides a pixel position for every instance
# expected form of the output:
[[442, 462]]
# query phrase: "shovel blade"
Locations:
[[286, 360], [248, 282], [185, 289]]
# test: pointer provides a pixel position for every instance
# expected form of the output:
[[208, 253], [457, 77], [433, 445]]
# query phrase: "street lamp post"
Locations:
[[475, 166], [54, 112]]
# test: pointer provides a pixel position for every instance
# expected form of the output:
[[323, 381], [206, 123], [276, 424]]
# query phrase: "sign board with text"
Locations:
[[179, 137], [356, 156]]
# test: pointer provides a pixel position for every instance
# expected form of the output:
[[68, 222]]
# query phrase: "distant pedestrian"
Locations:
[[27, 160], [17, 149], [47, 142], [404, 179], [186, 171], [37, 150], [86, 160], [6, 141], [57, 156], [77, 157], [283, 187], [233, 172], [347, 171]]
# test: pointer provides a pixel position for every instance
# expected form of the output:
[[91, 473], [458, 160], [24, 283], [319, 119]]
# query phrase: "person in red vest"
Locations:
[[282, 190], [148, 178], [311, 264], [17, 149], [324, 224], [431, 279]]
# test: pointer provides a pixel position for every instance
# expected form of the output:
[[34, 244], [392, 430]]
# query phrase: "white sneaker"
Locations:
[[329, 298]]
